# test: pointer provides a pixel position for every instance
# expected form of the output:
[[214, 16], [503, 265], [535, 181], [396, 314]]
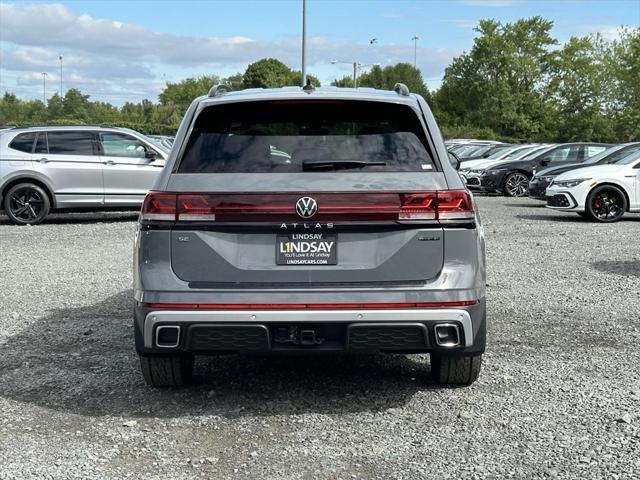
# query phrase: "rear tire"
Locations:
[[26, 204], [455, 369], [167, 371]]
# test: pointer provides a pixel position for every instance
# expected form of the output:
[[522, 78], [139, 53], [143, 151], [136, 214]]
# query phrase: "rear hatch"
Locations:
[[307, 193]]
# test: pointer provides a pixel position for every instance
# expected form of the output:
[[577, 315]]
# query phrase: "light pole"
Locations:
[[44, 88], [60, 58], [304, 42], [356, 68], [415, 39]]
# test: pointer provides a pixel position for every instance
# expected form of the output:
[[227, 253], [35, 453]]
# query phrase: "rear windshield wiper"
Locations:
[[337, 164]]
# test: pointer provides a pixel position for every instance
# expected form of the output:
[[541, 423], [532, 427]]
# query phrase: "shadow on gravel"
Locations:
[[624, 268], [81, 360], [83, 218], [572, 217], [527, 204], [566, 218]]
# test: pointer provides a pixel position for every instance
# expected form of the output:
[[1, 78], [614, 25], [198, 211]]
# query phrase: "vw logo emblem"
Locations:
[[306, 207]]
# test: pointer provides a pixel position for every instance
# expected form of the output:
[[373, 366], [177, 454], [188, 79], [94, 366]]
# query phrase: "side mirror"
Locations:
[[454, 160], [545, 161], [150, 155]]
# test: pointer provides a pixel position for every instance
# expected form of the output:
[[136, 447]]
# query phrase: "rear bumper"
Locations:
[[410, 330]]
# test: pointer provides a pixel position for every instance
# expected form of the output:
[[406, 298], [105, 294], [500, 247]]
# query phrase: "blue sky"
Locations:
[[123, 50]]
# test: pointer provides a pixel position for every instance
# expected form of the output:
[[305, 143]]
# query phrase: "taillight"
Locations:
[[158, 206], [455, 205], [331, 207], [418, 206], [195, 208]]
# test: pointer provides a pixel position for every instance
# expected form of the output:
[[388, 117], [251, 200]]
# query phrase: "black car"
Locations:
[[543, 178], [512, 178]]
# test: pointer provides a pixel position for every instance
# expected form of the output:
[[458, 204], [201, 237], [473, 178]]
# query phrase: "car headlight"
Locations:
[[569, 183]]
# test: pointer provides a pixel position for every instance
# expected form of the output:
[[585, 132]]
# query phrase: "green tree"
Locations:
[[498, 83], [385, 78], [621, 60], [574, 92], [55, 107], [295, 78], [184, 92], [267, 73], [75, 105], [344, 82]]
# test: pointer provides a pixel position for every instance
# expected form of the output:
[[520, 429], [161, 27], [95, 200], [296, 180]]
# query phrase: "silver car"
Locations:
[[55, 168], [293, 220]]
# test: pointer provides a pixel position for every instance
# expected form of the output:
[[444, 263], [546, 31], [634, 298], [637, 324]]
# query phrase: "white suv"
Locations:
[[53, 168]]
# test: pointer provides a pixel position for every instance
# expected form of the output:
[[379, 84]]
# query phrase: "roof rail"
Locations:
[[401, 89], [219, 89]]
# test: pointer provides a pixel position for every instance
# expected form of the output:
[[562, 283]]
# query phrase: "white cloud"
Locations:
[[109, 55]]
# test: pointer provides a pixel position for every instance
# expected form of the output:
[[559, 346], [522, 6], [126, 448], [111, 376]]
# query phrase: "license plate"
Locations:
[[307, 249]]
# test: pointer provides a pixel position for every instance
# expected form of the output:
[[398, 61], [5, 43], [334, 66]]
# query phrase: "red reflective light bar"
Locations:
[[332, 207], [307, 306]]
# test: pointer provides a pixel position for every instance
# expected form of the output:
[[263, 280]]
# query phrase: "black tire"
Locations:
[[455, 369], [26, 204], [516, 185], [606, 204], [167, 371]]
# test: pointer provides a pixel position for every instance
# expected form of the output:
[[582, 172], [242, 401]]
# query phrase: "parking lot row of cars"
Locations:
[[596, 180], [76, 167]]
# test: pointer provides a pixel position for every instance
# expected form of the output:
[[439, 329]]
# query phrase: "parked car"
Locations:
[[543, 178], [487, 152], [512, 151], [512, 178], [362, 238], [472, 170], [602, 193], [55, 168], [164, 141]]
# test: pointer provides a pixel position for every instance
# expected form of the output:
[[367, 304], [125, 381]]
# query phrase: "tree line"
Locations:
[[516, 83]]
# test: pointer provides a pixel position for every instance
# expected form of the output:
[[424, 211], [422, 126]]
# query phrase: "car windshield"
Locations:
[[499, 152], [520, 153], [157, 142], [295, 136], [614, 154], [475, 151], [536, 153], [629, 158]]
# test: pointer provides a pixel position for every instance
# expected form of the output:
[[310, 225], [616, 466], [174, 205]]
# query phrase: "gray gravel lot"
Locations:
[[559, 394]]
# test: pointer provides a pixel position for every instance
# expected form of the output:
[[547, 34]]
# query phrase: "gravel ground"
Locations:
[[559, 394]]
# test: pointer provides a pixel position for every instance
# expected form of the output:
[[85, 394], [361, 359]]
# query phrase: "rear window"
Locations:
[[23, 142], [292, 136]]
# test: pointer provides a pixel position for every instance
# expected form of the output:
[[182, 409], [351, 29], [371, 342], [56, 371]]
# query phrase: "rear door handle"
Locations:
[[109, 162], [43, 160]]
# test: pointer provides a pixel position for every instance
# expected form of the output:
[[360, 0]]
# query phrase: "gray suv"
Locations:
[[74, 167], [309, 220]]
